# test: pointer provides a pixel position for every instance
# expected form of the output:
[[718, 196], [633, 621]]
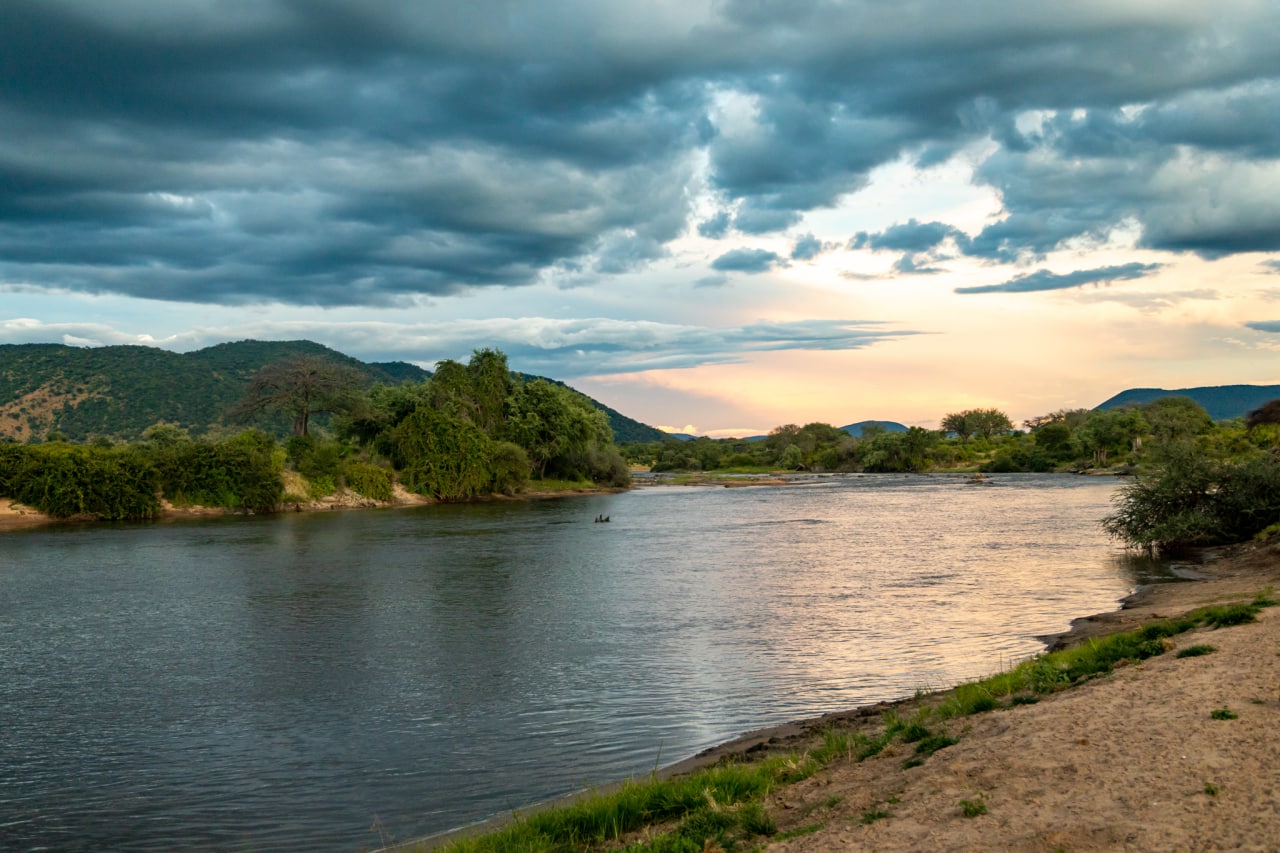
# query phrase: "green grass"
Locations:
[[1211, 789], [973, 808], [873, 816], [1195, 651], [1224, 714]]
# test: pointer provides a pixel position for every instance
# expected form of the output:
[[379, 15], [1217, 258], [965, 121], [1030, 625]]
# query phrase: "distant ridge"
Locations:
[[855, 430], [118, 391], [1222, 402]]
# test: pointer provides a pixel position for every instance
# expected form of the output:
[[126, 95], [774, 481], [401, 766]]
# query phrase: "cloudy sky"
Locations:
[[713, 215]]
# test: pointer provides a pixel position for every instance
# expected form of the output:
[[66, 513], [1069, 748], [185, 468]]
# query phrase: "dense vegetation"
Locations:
[[473, 429]]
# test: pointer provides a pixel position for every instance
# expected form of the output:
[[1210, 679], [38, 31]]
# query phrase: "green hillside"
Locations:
[[118, 391], [1222, 402]]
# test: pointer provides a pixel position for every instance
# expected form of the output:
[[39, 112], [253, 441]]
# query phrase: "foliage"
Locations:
[[1195, 500], [242, 472], [371, 481], [984, 423], [1267, 413], [65, 481], [509, 466], [442, 455]]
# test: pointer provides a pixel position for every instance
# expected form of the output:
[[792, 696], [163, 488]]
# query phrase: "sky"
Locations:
[[716, 216]]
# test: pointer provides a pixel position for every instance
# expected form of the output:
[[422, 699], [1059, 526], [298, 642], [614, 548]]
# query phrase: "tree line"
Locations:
[[470, 430], [1198, 482]]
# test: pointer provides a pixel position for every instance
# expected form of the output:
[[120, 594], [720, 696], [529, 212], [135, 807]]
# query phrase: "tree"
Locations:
[[1175, 420], [979, 422], [299, 386], [957, 423], [1267, 413], [1111, 431]]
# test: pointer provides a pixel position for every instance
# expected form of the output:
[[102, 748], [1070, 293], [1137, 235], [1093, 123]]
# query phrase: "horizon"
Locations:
[[715, 216]]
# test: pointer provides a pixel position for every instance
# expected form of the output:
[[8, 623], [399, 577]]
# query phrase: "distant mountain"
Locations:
[[855, 430], [679, 436], [1222, 402], [119, 391]]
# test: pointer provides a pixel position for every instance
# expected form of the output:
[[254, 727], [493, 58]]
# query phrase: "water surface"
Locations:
[[328, 681]]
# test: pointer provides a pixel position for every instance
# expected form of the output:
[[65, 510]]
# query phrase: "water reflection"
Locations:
[[278, 683]]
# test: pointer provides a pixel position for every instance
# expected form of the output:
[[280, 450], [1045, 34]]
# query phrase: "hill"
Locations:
[[118, 391], [855, 430], [1222, 402]]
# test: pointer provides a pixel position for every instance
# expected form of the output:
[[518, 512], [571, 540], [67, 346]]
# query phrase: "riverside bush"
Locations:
[[1193, 501], [242, 473], [65, 480], [368, 480]]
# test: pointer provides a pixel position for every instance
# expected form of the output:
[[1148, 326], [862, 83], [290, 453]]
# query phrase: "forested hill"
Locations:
[[118, 391], [1222, 402]]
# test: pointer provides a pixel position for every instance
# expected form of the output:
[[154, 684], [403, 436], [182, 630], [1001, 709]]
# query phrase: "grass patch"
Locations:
[[800, 831], [1195, 651], [1211, 789], [1097, 656], [973, 808], [1224, 714], [873, 816]]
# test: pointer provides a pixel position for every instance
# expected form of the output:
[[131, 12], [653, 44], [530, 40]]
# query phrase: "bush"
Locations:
[[510, 468], [242, 473], [64, 480], [368, 480], [1196, 501]]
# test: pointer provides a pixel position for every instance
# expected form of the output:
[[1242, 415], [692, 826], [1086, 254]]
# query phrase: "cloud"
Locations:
[[808, 247], [748, 261], [551, 347], [715, 227], [1272, 326], [350, 153], [920, 243], [1045, 280], [910, 236]]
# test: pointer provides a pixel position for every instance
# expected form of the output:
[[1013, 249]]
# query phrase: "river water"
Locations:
[[333, 681]]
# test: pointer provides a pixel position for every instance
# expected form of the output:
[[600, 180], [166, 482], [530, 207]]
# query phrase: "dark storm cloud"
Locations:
[[748, 261], [343, 152], [1045, 280]]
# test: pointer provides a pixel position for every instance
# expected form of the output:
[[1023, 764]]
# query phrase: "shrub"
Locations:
[[371, 481], [1193, 500], [64, 480]]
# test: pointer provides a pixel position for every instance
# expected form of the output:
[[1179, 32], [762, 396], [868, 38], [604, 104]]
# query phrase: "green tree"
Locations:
[[300, 386], [1111, 431], [1175, 420]]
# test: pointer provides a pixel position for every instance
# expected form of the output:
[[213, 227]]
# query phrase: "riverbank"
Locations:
[[16, 516], [1167, 753]]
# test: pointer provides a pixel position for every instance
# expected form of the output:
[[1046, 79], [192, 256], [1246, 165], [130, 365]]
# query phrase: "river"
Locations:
[[332, 681]]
